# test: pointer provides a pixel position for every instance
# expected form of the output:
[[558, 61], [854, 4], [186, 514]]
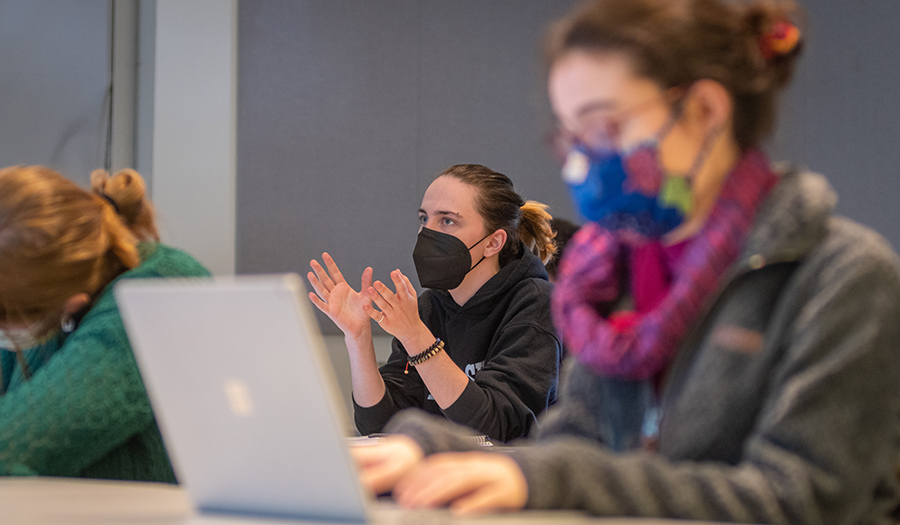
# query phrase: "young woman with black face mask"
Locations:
[[478, 346]]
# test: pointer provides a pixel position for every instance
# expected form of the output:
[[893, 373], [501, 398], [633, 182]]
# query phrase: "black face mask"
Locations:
[[442, 261]]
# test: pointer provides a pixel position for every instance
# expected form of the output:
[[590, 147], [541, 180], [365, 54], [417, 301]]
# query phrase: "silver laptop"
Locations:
[[245, 395]]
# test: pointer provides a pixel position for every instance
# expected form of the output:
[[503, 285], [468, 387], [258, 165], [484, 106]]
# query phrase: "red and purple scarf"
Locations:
[[669, 284]]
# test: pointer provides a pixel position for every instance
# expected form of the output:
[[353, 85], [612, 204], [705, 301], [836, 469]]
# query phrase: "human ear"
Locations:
[[75, 303], [708, 106], [495, 243]]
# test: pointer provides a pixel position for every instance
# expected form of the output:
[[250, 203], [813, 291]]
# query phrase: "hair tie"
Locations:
[[111, 202], [780, 40]]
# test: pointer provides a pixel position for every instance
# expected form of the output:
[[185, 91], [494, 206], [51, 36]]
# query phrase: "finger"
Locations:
[[366, 455], [377, 297], [384, 463], [407, 284], [317, 285], [504, 488], [376, 315], [333, 268], [483, 500], [366, 278], [411, 490], [399, 285], [320, 304], [368, 460], [381, 477], [372, 479], [385, 292], [326, 281], [437, 491], [427, 486]]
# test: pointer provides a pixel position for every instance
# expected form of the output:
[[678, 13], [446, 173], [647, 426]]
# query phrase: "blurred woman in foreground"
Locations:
[[764, 326]]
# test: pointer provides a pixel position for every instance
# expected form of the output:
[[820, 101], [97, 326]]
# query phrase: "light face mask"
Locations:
[[628, 191], [14, 339], [442, 261]]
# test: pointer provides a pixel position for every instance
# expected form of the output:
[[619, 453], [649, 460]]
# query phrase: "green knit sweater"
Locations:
[[84, 412]]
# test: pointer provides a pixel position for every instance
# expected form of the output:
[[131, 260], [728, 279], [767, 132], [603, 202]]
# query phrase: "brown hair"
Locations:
[[677, 42], [502, 208], [565, 230], [58, 240], [128, 193]]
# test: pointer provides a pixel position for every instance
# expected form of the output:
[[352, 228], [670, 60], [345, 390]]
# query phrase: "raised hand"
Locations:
[[398, 312], [336, 299]]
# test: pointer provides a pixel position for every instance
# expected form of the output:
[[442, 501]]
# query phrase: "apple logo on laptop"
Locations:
[[238, 396]]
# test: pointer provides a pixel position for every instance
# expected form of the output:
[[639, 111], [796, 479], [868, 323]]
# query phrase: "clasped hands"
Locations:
[[470, 483]]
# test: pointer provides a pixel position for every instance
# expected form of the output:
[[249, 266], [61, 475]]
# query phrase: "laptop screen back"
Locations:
[[244, 395]]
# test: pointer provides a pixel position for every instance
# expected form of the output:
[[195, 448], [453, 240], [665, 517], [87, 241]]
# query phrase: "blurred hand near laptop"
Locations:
[[470, 483]]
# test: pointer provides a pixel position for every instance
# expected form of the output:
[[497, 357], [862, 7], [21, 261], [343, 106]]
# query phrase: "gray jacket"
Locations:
[[783, 405]]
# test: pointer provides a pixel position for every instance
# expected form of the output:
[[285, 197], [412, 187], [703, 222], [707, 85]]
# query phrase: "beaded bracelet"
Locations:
[[429, 352]]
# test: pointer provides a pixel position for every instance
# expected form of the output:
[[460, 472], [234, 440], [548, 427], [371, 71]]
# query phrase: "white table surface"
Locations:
[[58, 501]]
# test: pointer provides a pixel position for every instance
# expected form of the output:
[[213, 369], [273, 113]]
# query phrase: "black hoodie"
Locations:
[[502, 338]]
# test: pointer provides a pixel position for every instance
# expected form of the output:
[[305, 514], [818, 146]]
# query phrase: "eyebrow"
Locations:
[[442, 213], [596, 105]]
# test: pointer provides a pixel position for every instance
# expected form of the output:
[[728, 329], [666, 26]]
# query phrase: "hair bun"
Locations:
[[128, 193], [98, 180], [126, 188]]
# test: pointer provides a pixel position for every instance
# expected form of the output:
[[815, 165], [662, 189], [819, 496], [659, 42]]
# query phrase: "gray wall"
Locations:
[[841, 116], [347, 111], [54, 76]]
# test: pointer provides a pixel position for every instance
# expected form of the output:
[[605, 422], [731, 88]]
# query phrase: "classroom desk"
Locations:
[[56, 501]]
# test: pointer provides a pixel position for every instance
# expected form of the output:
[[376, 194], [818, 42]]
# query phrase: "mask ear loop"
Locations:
[[20, 357], [667, 127], [479, 242], [657, 137], [683, 197], [703, 154], [482, 257], [677, 112], [705, 147]]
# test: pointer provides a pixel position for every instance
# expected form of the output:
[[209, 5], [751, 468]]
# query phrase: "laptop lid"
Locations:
[[244, 395]]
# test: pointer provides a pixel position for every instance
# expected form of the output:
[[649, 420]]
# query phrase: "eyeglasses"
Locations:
[[599, 128]]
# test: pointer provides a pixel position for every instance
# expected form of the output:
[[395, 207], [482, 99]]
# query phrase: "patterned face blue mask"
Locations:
[[629, 192]]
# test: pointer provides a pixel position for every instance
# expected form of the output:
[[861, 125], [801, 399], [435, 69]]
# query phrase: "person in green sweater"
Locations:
[[72, 402]]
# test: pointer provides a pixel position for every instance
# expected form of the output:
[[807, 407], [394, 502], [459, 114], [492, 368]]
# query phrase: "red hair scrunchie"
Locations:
[[780, 40]]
